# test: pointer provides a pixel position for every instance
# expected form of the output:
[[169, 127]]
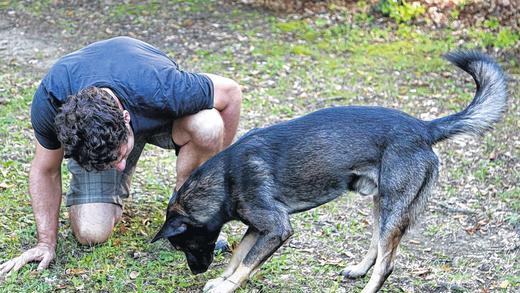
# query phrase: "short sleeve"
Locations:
[[188, 94], [43, 112]]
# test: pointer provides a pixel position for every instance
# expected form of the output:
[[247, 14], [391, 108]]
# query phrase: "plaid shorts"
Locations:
[[111, 186]]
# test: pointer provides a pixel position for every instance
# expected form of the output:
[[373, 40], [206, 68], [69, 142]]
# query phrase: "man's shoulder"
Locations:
[[123, 44]]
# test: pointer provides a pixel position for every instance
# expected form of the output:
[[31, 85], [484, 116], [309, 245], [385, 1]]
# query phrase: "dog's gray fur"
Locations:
[[300, 164]]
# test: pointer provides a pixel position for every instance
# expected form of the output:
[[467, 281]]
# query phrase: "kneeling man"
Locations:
[[99, 106]]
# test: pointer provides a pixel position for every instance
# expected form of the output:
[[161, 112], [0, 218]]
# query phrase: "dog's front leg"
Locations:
[[240, 253], [267, 242], [238, 256]]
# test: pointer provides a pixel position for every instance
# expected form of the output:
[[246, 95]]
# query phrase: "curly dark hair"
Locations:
[[91, 128]]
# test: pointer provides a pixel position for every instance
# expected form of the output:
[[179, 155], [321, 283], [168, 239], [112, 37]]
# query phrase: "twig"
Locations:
[[455, 210], [321, 100]]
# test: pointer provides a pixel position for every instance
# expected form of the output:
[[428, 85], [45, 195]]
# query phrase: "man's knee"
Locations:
[[210, 131], [93, 223], [205, 130]]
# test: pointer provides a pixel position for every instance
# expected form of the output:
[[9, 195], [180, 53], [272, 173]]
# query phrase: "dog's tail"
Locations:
[[487, 106]]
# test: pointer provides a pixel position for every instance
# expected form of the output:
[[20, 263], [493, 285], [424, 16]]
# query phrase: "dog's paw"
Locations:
[[354, 271], [223, 286], [212, 283]]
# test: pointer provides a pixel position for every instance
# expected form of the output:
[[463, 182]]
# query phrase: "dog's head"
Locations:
[[197, 242], [193, 218]]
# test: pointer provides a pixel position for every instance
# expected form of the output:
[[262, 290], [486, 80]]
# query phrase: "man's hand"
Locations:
[[43, 253]]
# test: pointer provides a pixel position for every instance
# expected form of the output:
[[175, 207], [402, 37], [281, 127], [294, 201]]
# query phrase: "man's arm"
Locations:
[[45, 190], [228, 101]]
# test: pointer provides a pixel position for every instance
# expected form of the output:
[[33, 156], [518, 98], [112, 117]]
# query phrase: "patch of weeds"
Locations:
[[301, 50], [5, 4], [353, 227], [276, 265], [400, 10], [68, 25], [513, 280], [459, 277], [124, 10], [492, 34], [313, 35], [291, 26], [461, 97], [432, 230], [451, 191], [35, 8], [194, 6], [363, 16], [490, 144], [512, 198], [402, 53], [482, 172], [513, 219], [492, 23], [457, 172]]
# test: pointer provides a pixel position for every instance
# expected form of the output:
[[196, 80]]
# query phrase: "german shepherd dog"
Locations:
[[300, 164]]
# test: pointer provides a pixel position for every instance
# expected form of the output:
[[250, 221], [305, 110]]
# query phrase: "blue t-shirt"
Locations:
[[148, 83]]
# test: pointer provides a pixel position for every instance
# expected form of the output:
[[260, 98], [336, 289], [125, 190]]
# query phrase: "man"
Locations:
[[99, 106]]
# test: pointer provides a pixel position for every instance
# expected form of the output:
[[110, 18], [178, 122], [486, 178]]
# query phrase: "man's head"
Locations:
[[94, 130]]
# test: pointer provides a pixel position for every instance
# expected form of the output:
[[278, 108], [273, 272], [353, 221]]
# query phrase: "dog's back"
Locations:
[[315, 158]]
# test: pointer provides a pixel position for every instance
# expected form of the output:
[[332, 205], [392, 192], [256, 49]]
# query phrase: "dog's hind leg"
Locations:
[[405, 185], [361, 269], [238, 256], [385, 261], [273, 231]]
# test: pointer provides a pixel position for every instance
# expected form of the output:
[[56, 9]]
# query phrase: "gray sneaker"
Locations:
[[222, 244]]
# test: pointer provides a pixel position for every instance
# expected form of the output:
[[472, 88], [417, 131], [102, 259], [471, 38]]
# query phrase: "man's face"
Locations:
[[124, 150]]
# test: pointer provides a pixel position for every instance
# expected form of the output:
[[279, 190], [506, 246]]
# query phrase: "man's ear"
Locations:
[[126, 116], [169, 230]]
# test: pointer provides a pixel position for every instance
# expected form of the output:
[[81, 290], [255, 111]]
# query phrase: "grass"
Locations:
[[287, 67]]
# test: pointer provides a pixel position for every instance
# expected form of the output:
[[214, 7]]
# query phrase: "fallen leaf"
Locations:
[[75, 271], [505, 284], [133, 275], [421, 271]]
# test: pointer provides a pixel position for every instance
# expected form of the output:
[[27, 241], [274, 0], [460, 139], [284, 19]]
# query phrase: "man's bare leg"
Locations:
[[200, 137], [92, 223], [204, 134]]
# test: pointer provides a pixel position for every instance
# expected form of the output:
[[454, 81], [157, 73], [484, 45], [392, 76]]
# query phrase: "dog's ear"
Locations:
[[170, 230]]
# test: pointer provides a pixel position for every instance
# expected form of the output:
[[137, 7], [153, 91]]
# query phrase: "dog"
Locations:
[[300, 164]]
